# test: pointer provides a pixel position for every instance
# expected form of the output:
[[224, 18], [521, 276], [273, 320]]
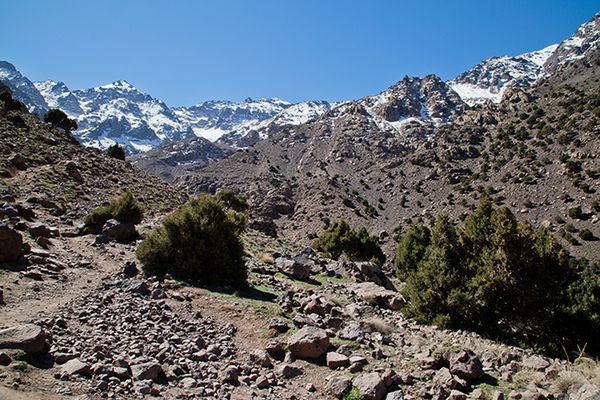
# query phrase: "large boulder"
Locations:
[[378, 295], [465, 365], [308, 343], [370, 386], [120, 231], [10, 244], [30, 338], [293, 268]]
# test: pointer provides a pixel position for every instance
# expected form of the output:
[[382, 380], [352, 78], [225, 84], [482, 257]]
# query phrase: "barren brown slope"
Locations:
[[536, 152]]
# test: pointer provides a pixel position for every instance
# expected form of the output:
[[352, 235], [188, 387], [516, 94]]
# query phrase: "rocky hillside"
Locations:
[[378, 163], [46, 166], [178, 158]]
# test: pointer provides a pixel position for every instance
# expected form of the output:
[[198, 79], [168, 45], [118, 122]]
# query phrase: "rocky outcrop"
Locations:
[[10, 244]]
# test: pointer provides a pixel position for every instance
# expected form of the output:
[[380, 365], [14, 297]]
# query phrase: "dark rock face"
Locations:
[[172, 160], [10, 244]]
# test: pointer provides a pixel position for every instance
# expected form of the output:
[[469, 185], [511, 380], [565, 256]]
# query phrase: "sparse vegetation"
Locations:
[[60, 120], [116, 151], [340, 238], [124, 208]]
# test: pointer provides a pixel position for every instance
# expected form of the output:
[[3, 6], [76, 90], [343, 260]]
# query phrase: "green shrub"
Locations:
[[498, 277], [575, 212], [124, 208], [231, 200], [586, 234], [199, 242], [116, 151], [340, 239]]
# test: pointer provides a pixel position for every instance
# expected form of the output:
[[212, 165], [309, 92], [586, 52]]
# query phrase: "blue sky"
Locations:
[[186, 51]]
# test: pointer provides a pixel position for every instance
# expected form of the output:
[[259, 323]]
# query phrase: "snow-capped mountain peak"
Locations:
[[22, 88], [488, 80]]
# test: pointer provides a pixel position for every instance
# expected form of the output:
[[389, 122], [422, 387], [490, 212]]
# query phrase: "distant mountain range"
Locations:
[[120, 113]]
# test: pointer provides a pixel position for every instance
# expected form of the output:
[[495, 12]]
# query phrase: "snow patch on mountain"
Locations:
[[488, 80]]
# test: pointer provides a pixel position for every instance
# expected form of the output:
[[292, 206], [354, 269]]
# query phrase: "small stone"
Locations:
[[146, 371], [536, 362], [261, 358], [130, 269], [336, 360], [498, 395], [465, 365], [188, 383], [457, 395], [288, 371], [231, 374], [395, 395], [76, 367], [279, 324], [262, 382]]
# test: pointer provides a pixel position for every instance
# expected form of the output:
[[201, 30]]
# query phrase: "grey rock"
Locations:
[[288, 371], [76, 367], [370, 386], [293, 268], [308, 343], [536, 362], [146, 371]]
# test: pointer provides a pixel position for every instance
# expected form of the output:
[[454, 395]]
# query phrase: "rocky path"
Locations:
[[308, 329]]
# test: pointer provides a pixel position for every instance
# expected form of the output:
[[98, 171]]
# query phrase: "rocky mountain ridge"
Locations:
[[120, 113], [383, 162]]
